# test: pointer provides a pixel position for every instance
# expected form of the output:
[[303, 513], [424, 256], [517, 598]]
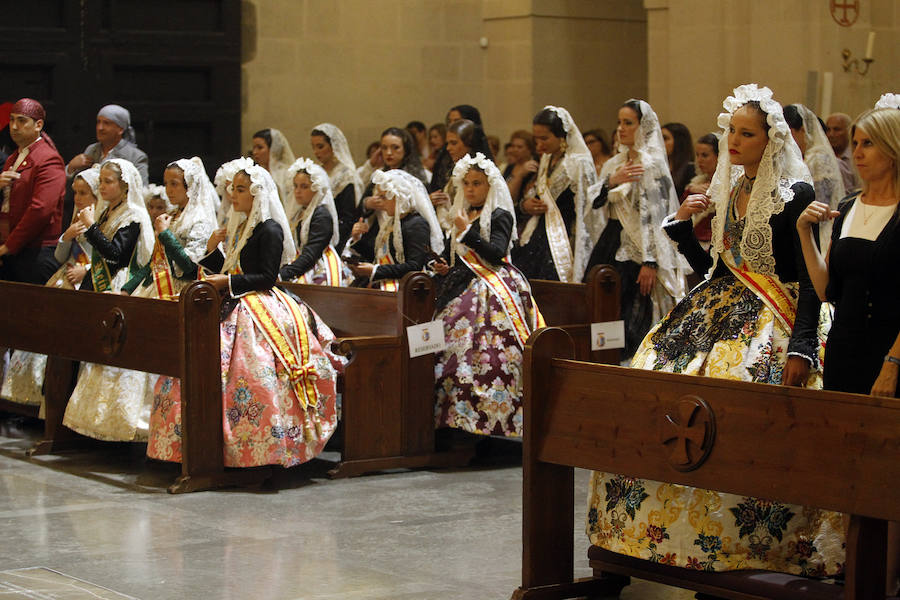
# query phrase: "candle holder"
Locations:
[[854, 63]]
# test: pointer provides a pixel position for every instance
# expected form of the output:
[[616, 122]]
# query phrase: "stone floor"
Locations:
[[83, 524]]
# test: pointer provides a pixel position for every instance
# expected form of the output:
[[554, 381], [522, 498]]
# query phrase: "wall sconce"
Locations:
[[867, 59]]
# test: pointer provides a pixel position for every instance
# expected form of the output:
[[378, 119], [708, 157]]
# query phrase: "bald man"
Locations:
[[837, 128]]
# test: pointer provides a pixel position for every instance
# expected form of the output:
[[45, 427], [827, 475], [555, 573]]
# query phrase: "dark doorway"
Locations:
[[175, 64]]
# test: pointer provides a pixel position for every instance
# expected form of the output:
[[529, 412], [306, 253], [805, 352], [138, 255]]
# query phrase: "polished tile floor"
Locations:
[[103, 517]]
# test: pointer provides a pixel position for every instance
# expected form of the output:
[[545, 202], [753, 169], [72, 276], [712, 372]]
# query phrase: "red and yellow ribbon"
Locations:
[[770, 290], [523, 323], [162, 274], [292, 351], [387, 285]]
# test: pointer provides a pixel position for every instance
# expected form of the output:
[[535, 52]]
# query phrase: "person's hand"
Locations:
[[218, 236], [796, 371], [460, 222], [697, 188], [816, 212], [534, 206], [7, 177], [440, 266], [162, 222], [439, 198], [218, 281], [886, 383], [628, 172], [73, 231], [75, 273], [693, 204], [362, 269], [79, 163], [360, 228], [374, 202], [86, 216], [646, 278], [377, 159]]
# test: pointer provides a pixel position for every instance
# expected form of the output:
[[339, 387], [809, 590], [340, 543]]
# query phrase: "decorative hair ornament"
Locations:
[[780, 168], [888, 101], [410, 196], [321, 185]]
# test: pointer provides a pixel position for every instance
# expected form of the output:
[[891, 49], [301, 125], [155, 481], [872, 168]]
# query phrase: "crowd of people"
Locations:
[[755, 253]]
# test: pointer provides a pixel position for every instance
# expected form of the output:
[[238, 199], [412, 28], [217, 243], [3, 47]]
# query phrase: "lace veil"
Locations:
[[781, 167], [322, 187], [136, 210], [152, 191], [345, 172], [823, 168], [91, 176], [223, 178], [498, 197], [280, 158], [266, 205], [410, 196], [199, 215]]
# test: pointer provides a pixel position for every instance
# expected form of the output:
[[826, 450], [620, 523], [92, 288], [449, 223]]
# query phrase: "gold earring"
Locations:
[[563, 145]]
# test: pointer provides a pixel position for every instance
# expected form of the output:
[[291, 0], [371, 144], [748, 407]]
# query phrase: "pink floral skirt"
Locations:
[[263, 421]]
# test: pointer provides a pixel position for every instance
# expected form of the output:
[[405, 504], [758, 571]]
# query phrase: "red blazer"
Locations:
[[36, 198]]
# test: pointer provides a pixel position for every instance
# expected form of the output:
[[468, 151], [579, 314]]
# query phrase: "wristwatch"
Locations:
[[892, 359]]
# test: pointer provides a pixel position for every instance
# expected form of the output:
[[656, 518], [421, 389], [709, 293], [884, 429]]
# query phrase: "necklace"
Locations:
[[748, 184]]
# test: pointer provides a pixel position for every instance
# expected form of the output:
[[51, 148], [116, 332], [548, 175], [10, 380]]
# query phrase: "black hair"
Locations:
[[682, 148], [467, 111], [634, 105], [601, 136], [417, 125], [762, 114], [710, 139], [549, 119], [265, 135], [793, 117], [320, 133], [412, 162], [472, 136]]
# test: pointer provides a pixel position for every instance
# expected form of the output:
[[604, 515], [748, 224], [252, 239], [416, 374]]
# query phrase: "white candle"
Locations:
[[870, 47], [827, 84]]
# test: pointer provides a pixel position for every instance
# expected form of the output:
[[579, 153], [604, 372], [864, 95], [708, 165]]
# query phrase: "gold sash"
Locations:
[[387, 285], [767, 288], [511, 303], [292, 351], [332, 269]]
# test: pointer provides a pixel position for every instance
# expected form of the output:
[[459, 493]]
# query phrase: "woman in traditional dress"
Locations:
[[706, 158], [633, 196], [486, 306], [315, 224], [333, 152], [463, 137], [222, 181], [156, 201], [24, 378], [272, 151], [110, 403], [408, 234], [863, 350], [754, 319], [556, 242], [181, 235], [278, 383], [821, 160]]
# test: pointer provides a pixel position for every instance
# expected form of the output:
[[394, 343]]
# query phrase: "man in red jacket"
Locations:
[[32, 185]]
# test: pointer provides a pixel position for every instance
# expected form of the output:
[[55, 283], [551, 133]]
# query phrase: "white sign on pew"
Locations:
[[608, 336], [426, 338]]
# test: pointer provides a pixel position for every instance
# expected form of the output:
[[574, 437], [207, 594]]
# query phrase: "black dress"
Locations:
[[321, 228], [493, 251], [260, 259], [345, 204], [864, 290], [117, 252], [416, 245]]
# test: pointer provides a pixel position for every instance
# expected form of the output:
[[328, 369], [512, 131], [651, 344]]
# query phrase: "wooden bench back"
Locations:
[[831, 450], [574, 306]]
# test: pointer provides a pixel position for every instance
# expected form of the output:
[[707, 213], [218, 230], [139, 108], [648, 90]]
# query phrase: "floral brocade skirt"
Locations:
[[479, 374], [263, 421], [721, 329], [24, 379]]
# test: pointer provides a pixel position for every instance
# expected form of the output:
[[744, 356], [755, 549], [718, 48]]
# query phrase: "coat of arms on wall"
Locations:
[[844, 12]]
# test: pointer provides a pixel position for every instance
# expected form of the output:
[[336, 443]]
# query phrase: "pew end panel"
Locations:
[[705, 433], [574, 306]]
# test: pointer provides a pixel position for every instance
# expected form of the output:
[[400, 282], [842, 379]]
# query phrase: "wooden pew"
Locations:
[[574, 306], [180, 339], [831, 450], [388, 398]]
